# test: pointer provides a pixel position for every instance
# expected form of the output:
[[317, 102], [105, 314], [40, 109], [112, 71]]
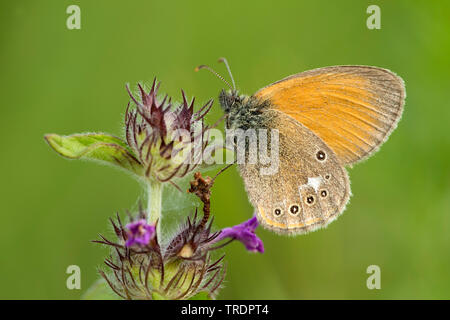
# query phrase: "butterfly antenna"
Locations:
[[224, 60], [221, 171], [214, 73]]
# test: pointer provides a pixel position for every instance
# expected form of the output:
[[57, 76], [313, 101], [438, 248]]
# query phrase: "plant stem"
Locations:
[[155, 189]]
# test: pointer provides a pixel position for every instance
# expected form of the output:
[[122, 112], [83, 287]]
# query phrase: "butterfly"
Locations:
[[327, 119]]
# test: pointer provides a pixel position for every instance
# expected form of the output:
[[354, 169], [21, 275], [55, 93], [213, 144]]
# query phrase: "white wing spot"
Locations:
[[315, 182]]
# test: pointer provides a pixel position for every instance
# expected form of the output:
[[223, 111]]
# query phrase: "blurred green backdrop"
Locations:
[[66, 81]]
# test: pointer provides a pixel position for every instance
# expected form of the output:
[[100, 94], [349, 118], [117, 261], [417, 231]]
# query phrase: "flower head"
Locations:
[[139, 233], [245, 233], [168, 140], [144, 270], [163, 140]]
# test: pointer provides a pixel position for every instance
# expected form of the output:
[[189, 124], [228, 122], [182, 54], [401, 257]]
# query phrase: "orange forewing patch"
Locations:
[[351, 111]]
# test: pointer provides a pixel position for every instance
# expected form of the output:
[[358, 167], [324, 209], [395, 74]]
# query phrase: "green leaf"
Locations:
[[100, 290], [100, 147]]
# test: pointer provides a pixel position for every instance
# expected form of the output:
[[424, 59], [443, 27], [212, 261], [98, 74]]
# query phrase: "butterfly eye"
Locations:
[[294, 209], [320, 155], [277, 212], [310, 200], [324, 193]]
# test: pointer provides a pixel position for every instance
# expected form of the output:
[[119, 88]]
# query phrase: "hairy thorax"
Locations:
[[244, 112]]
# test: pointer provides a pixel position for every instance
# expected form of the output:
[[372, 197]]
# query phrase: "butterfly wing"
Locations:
[[353, 109], [309, 189]]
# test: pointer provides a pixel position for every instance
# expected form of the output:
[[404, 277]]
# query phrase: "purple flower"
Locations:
[[153, 130], [245, 233], [139, 233]]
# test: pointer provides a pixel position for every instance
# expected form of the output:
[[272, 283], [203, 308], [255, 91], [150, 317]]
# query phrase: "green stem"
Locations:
[[155, 189]]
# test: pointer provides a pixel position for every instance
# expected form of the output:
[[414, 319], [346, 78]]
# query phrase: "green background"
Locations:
[[64, 81]]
